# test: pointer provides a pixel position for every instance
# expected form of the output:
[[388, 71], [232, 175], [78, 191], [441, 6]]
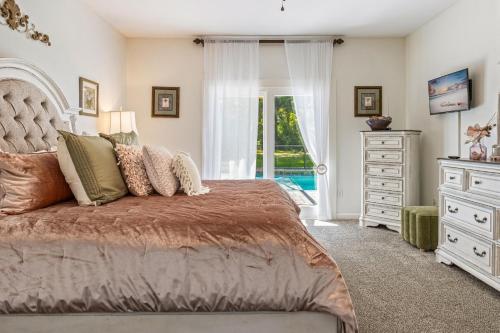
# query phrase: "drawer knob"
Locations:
[[383, 156], [453, 211], [478, 220], [383, 184], [452, 240], [383, 212], [479, 254], [383, 142], [453, 177], [382, 170], [383, 198], [477, 182]]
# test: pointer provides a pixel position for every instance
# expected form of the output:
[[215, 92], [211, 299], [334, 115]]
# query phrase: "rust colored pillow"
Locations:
[[30, 181]]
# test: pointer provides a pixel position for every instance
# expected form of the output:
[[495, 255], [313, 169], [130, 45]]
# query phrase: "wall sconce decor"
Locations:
[[11, 15]]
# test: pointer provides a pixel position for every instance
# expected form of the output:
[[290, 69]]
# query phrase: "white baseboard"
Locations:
[[347, 216]]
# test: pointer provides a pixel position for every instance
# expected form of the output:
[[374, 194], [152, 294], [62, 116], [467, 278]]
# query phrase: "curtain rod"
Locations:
[[201, 41]]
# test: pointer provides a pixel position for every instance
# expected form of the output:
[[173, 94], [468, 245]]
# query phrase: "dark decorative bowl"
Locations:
[[379, 123]]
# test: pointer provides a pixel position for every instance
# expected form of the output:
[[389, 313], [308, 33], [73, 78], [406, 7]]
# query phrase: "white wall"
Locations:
[[178, 62], [464, 36], [82, 45], [170, 63], [358, 62]]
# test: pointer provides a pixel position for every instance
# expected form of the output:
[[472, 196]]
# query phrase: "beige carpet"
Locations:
[[397, 288]]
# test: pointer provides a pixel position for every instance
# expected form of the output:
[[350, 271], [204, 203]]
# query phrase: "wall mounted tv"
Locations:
[[450, 93]]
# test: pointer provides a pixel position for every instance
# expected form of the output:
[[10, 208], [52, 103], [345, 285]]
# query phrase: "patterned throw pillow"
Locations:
[[158, 162], [185, 169], [133, 169]]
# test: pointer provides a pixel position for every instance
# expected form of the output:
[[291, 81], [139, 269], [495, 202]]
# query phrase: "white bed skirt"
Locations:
[[234, 322]]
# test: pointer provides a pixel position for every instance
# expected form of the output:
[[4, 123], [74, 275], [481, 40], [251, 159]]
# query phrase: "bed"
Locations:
[[235, 260]]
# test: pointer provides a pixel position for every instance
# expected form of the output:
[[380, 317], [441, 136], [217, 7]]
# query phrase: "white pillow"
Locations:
[[187, 172], [158, 163]]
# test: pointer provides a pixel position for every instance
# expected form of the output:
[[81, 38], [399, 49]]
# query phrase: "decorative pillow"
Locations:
[[133, 169], [129, 139], [90, 168], [185, 169], [30, 181], [158, 162]]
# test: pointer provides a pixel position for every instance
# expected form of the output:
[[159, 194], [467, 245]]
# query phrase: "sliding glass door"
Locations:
[[281, 154]]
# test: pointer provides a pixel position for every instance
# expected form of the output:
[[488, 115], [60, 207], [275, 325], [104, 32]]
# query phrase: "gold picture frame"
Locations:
[[88, 97], [367, 101], [165, 102]]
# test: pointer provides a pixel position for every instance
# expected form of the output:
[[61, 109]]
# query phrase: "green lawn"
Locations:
[[287, 159]]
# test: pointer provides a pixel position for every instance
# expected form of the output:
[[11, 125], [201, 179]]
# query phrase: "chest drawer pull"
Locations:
[[477, 182], [453, 177], [453, 211], [479, 254], [452, 240], [484, 220]]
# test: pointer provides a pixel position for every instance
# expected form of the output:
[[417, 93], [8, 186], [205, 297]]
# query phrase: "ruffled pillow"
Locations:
[[158, 162], [185, 169], [133, 170]]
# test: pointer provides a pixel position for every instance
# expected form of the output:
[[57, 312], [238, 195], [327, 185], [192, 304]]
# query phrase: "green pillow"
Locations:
[[90, 168], [129, 139]]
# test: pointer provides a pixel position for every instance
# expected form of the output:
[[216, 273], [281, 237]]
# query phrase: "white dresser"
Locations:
[[469, 210], [390, 176]]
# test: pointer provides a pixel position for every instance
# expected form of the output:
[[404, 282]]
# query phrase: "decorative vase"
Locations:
[[478, 152]]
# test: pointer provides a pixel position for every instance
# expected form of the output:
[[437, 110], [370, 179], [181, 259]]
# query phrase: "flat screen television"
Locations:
[[450, 93]]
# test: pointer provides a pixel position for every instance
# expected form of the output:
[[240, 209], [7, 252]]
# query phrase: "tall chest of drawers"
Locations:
[[390, 176], [469, 209]]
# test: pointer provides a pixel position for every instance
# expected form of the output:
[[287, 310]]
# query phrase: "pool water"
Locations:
[[305, 182]]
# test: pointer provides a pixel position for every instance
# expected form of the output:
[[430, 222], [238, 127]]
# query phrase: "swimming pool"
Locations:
[[305, 182]]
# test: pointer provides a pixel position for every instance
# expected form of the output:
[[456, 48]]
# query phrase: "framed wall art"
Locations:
[[89, 97], [165, 102], [367, 101]]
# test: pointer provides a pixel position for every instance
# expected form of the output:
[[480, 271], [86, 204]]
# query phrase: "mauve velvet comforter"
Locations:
[[241, 247]]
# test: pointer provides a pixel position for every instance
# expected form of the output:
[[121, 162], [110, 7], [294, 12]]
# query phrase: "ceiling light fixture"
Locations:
[[283, 5]]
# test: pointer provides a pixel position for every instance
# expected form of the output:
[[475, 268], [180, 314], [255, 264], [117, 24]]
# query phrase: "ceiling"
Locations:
[[352, 18]]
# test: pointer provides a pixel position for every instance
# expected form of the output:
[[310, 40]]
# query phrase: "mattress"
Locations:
[[242, 247]]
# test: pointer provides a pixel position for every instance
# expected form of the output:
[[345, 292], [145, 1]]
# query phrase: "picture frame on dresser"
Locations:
[[389, 176], [469, 217]]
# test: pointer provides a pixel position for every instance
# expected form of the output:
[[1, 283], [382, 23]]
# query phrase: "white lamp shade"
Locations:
[[122, 121]]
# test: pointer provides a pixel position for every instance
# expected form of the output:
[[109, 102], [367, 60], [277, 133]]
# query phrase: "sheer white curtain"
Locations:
[[310, 68], [230, 109]]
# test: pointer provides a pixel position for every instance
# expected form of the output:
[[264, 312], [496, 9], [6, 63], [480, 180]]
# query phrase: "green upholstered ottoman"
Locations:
[[419, 226]]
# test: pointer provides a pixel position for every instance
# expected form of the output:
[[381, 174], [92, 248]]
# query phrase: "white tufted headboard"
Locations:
[[32, 108]]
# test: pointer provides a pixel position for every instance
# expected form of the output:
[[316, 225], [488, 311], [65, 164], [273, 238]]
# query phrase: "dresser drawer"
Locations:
[[384, 142], [478, 218], [386, 184], [384, 198], [392, 156], [384, 170], [484, 183], [384, 212], [453, 177], [476, 251], [497, 265]]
